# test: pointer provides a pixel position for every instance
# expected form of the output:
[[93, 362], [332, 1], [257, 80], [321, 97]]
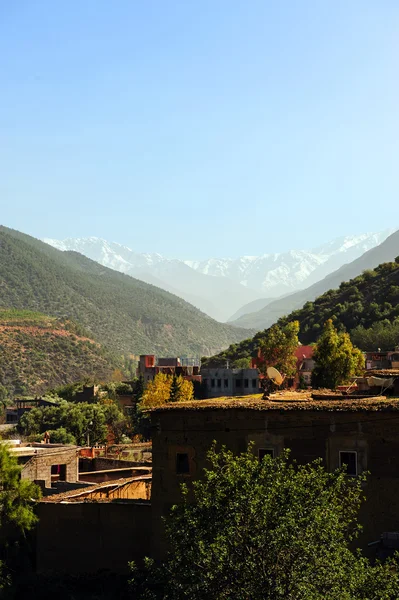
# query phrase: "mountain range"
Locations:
[[223, 287], [269, 314], [125, 315]]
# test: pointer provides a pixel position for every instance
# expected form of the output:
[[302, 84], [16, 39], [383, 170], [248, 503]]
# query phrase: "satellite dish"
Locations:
[[275, 375]]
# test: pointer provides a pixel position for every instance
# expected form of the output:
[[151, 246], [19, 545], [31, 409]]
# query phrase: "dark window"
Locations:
[[254, 383], [348, 459], [226, 383], [182, 463], [238, 382], [212, 383], [246, 383], [265, 452], [58, 472], [219, 383], [205, 382]]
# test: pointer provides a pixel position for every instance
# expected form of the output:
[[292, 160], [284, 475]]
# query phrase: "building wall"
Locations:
[[38, 467], [309, 435], [89, 537], [230, 382]]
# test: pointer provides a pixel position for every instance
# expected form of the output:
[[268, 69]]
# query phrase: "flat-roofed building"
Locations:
[[229, 382]]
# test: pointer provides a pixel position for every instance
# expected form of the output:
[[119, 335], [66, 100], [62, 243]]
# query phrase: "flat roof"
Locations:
[[79, 494], [288, 402], [35, 450]]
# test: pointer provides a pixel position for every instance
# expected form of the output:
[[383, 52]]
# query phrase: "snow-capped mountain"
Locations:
[[220, 286]]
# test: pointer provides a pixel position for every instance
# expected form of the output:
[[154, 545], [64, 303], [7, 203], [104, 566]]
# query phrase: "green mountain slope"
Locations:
[[283, 306], [128, 316], [39, 352], [369, 300]]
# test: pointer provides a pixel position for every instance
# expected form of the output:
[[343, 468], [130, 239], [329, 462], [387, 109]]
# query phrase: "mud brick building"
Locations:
[[363, 434], [46, 464]]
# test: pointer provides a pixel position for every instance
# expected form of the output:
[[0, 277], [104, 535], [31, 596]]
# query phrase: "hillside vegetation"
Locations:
[[126, 315], [38, 352], [367, 307], [266, 316]]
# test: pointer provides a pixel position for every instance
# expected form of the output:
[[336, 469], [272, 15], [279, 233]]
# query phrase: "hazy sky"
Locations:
[[199, 128]]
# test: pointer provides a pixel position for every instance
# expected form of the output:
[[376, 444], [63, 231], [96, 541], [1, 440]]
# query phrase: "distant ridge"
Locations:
[[126, 315], [220, 287], [385, 252]]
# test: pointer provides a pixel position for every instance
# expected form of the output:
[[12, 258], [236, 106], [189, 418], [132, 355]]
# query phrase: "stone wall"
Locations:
[[88, 537], [38, 467]]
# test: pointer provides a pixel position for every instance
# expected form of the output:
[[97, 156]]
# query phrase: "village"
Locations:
[[112, 498]]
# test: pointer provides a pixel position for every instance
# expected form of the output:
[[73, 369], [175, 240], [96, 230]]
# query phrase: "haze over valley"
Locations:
[[222, 287]]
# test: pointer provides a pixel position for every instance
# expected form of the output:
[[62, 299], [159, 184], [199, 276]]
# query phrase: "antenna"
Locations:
[[274, 375]]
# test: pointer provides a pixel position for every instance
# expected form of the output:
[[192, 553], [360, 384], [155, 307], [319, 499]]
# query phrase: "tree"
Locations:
[[278, 346], [158, 391], [268, 530], [174, 389], [16, 506], [336, 358]]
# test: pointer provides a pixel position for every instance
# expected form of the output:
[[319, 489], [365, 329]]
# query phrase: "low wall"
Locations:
[[91, 536], [112, 474]]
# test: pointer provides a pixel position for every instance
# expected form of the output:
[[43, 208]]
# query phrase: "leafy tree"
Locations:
[[269, 530], [242, 363], [61, 436], [278, 347], [337, 360], [80, 420], [16, 507], [158, 391]]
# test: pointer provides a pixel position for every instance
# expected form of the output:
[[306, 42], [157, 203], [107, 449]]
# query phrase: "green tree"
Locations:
[[269, 530], [278, 347], [336, 358], [16, 507], [175, 388]]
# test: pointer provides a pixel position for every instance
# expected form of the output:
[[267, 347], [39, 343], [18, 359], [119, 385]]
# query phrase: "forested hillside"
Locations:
[[366, 306], [284, 306], [128, 316], [39, 352]]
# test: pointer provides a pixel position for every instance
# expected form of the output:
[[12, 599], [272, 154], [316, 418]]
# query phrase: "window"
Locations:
[[238, 382], [205, 382], [182, 463], [212, 383], [226, 383], [219, 383], [246, 383], [265, 452], [348, 459], [58, 472], [254, 383]]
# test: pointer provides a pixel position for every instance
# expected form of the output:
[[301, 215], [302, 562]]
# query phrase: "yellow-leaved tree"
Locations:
[[166, 388]]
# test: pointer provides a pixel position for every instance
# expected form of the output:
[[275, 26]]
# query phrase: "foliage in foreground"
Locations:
[[266, 530], [16, 509]]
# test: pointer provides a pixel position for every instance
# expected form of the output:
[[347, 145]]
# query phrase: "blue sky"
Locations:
[[196, 129]]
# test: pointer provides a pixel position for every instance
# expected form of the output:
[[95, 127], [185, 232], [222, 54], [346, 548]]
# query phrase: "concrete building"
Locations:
[[382, 360], [359, 433], [230, 382], [150, 365]]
